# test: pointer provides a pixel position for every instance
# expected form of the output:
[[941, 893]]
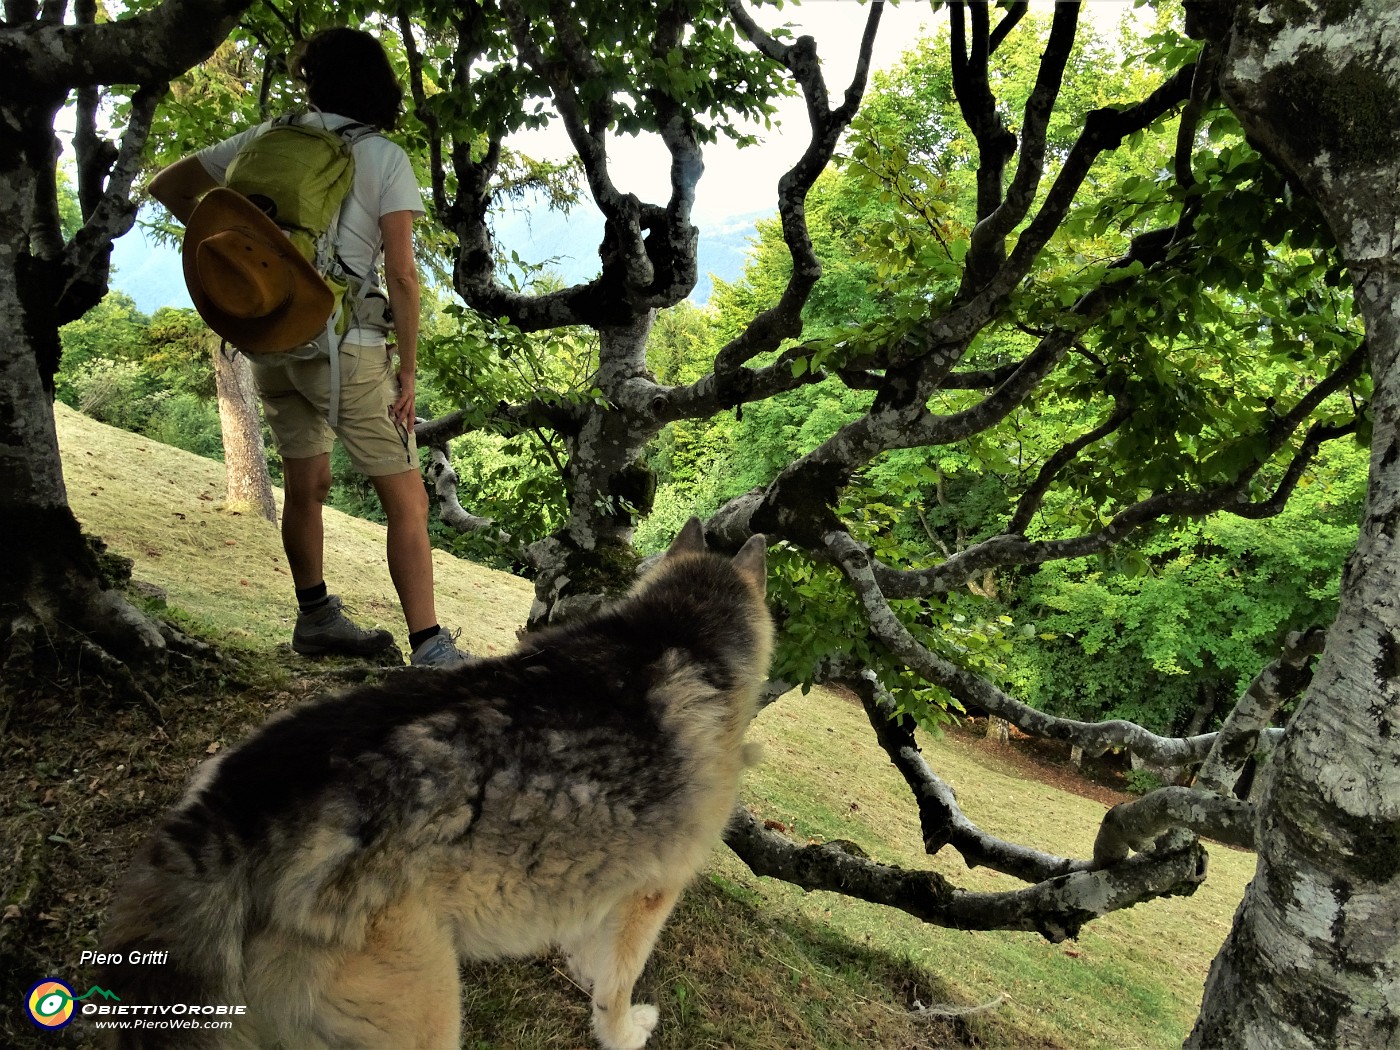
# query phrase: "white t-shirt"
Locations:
[[384, 183]]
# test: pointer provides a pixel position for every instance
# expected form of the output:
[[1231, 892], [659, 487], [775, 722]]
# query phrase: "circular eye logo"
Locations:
[[50, 1003]]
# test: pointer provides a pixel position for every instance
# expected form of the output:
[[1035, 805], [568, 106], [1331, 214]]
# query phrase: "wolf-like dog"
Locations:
[[329, 873]]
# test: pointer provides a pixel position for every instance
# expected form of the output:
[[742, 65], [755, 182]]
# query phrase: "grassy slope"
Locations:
[[748, 963]]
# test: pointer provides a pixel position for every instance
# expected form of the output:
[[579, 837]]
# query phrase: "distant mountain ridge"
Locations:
[[148, 272], [152, 274]]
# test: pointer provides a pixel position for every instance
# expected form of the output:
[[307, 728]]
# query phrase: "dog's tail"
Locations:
[[173, 945]]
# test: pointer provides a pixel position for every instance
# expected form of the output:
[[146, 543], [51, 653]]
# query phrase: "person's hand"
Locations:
[[401, 410]]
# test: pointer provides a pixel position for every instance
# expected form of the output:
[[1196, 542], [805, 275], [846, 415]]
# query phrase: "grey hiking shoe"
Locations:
[[329, 630], [439, 652]]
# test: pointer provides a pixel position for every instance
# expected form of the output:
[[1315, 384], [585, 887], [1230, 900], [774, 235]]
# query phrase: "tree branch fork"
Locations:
[[1144, 849]]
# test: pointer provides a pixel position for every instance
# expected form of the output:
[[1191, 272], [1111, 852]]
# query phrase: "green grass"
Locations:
[[748, 962]]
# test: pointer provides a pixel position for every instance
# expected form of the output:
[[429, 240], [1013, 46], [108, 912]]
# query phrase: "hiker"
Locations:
[[348, 82]]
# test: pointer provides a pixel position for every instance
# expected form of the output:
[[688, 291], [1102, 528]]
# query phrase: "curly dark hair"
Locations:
[[347, 72]]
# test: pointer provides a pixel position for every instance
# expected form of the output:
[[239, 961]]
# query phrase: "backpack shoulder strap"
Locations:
[[350, 134], [353, 133]]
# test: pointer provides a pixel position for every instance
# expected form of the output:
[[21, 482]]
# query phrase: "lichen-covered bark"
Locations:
[[58, 612], [151, 47], [608, 487], [1240, 736], [1313, 960], [1056, 908], [444, 481], [55, 607]]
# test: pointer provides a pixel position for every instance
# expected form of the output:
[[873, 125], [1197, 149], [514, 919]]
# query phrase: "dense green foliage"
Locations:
[[153, 375], [1177, 621], [1175, 628]]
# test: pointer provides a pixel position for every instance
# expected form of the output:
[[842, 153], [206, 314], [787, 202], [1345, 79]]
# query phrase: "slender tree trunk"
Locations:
[[1313, 960], [249, 486], [998, 730], [1205, 708]]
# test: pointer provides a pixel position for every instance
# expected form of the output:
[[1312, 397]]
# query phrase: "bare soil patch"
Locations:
[[1048, 762]]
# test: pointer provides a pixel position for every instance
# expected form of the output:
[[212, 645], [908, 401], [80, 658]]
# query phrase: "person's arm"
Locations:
[[180, 186], [401, 284]]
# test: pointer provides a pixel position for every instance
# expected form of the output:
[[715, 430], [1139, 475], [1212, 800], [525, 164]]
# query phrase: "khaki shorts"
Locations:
[[296, 397]]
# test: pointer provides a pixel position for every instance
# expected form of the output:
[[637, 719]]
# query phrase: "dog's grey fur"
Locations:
[[331, 871]]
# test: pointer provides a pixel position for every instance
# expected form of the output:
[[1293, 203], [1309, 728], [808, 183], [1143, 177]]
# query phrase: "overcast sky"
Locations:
[[740, 182]]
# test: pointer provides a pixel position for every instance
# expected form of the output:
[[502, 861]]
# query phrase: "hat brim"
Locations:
[[301, 317]]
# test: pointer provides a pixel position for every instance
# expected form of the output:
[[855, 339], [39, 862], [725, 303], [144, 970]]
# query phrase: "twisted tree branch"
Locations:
[[437, 173], [989, 235], [1136, 825], [940, 818], [1055, 908], [1012, 548], [1032, 498], [147, 48], [1240, 736], [784, 319], [87, 256], [975, 691]]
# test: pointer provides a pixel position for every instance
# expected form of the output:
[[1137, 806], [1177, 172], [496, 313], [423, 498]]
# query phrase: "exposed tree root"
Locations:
[[945, 1012]]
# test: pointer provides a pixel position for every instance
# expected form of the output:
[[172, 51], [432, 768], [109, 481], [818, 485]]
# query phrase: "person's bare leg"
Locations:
[[306, 484], [405, 502]]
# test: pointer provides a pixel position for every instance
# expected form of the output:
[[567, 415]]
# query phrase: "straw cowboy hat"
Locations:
[[247, 280]]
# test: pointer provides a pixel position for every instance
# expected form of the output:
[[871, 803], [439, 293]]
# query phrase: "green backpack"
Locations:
[[299, 176]]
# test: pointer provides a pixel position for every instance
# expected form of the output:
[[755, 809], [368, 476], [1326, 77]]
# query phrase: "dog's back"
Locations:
[[328, 873]]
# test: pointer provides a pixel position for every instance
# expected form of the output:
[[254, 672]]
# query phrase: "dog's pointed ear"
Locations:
[[752, 562], [690, 540]]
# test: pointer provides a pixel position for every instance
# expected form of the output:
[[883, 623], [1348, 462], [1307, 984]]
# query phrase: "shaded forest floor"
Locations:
[[747, 963]]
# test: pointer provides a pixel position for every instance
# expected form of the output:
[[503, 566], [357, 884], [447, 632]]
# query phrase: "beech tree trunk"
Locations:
[[56, 608], [609, 487], [998, 730], [248, 484], [59, 613], [1313, 960]]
